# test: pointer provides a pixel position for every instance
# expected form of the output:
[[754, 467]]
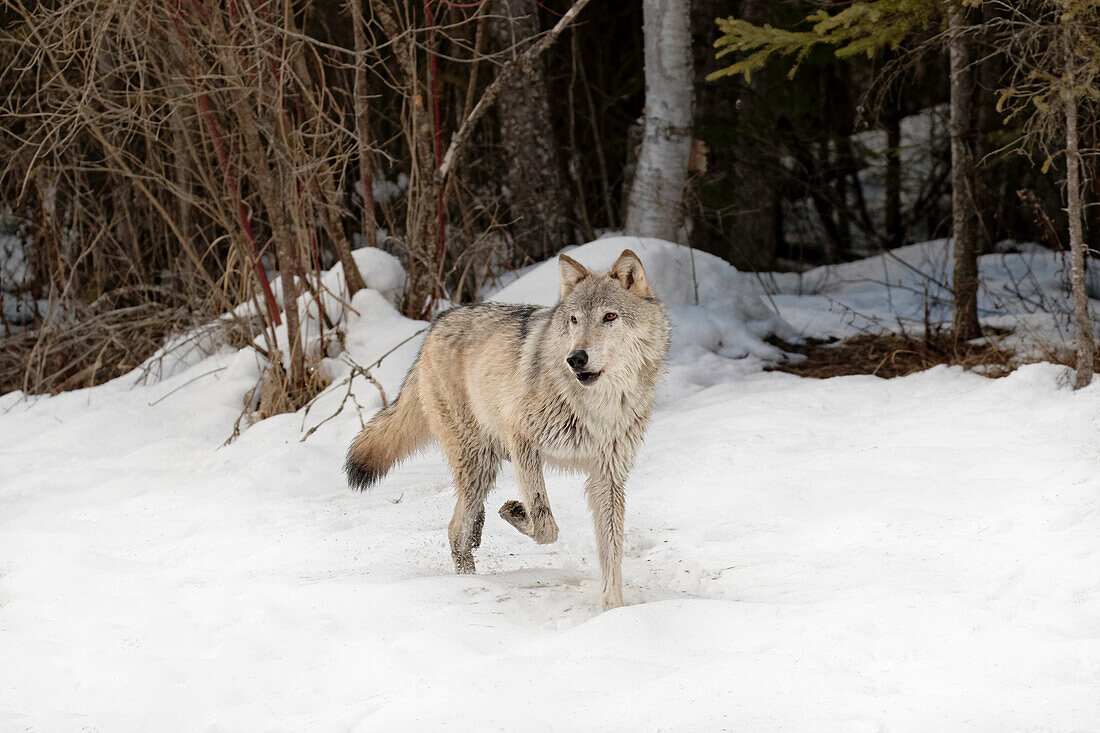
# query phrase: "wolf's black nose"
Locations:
[[577, 359]]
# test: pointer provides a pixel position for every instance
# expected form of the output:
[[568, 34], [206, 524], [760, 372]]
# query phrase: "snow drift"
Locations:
[[712, 306], [850, 554]]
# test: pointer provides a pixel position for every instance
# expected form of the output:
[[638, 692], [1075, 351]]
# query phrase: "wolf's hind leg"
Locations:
[[532, 517], [475, 465], [479, 524]]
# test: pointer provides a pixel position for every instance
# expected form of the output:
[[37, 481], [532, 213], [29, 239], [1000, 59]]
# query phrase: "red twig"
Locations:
[[228, 176], [549, 10]]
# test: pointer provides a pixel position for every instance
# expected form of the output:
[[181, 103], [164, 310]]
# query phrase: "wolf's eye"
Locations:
[[609, 317], [572, 319]]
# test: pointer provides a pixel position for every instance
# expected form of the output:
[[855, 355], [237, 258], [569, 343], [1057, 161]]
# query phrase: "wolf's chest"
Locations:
[[570, 436]]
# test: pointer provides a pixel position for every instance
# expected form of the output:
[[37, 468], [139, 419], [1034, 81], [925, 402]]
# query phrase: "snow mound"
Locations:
[[381, 271], [829, 555], [713, 307]]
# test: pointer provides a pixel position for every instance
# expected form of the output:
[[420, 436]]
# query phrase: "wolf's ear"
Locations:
[[628, 271], [572, 272]]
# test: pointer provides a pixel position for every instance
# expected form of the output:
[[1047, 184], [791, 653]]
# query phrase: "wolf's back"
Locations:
[[393, 434]]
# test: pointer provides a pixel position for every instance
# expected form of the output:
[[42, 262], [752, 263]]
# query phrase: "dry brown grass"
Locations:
[[97, 346], [891, 355]]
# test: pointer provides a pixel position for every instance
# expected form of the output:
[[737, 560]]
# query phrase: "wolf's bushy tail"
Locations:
[[393, 434]]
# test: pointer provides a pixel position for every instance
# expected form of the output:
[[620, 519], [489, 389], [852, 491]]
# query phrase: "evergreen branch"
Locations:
[[861, 28]]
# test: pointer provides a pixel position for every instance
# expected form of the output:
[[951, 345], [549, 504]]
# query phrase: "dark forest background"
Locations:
[[164, 162]]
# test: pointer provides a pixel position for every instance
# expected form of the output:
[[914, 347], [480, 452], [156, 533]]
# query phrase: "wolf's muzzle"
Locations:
[[588, 378], [577, 361]]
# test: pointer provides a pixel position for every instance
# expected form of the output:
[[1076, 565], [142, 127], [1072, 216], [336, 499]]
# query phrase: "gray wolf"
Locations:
[[570, 386]]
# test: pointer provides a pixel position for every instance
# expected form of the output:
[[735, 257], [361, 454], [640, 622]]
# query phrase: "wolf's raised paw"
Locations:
[[541, 528], [515, 514]]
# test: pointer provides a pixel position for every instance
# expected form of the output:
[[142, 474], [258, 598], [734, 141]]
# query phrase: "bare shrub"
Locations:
[[179, 151], [191, 159]]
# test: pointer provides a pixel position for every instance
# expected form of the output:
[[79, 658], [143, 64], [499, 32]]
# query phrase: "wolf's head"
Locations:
[[610, 322]]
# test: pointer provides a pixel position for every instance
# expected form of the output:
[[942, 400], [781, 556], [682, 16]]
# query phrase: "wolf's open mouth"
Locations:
[[588, 377]]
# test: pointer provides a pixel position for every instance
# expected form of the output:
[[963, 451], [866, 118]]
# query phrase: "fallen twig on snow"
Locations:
[[356, 370]]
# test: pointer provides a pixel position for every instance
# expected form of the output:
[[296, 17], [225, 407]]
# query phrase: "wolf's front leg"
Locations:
[[607, 500], [532, 517]]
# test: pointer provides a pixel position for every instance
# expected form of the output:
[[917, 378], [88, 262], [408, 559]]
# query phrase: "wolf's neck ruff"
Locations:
[[572, 386]]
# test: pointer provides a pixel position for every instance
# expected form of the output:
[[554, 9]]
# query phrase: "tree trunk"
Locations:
[[656, 196], [738, 216], [964, 220], [362, 126], [894, 235], [1086, 347], [540, 205], [422, 238], [422, 220]]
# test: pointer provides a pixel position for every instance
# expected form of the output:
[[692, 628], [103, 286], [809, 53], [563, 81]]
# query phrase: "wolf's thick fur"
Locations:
[[492, 381]]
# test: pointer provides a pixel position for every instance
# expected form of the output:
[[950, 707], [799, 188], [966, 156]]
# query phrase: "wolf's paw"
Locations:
[[515, 514], [541, 528], [609, 601], [464, 563]]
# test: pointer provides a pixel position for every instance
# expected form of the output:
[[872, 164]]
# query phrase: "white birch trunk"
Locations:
[[655, 207]]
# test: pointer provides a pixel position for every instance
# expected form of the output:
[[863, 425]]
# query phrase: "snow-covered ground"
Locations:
[[920, 554]]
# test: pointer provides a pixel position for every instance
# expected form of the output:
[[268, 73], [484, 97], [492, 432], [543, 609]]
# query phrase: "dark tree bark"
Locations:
[[352, 275], [540, 204], [744, 168], [1086, 344], [754, 231], [964, 213], [894, 234]]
